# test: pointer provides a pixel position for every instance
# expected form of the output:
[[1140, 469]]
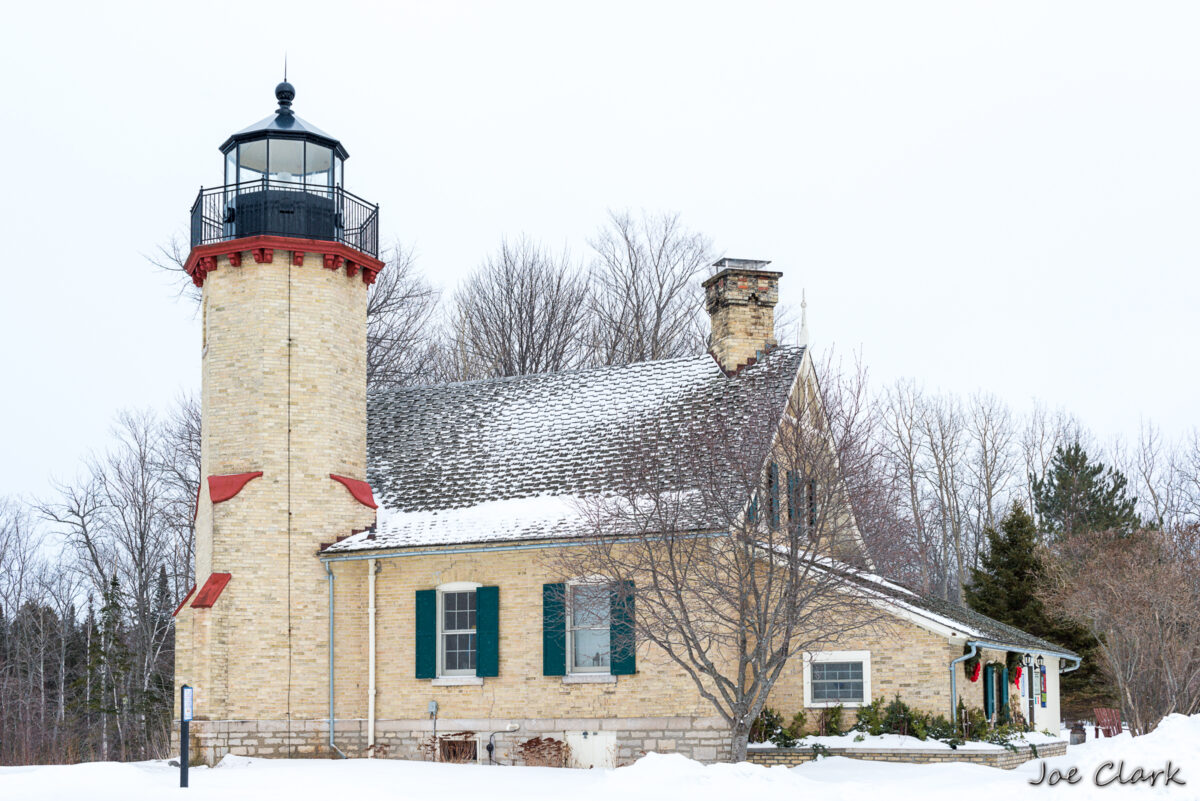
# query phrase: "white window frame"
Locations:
[[442, 589], [586, 670], [837, 656]]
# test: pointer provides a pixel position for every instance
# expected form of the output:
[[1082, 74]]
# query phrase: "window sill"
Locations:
[[589, 678], [458, 681]]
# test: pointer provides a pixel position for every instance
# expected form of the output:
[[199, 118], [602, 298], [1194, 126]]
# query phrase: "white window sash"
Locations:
[[442, 591], [837, 656], [572, 668]]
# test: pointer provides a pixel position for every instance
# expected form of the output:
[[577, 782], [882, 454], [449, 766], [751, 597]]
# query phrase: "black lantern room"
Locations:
[[284, 177]]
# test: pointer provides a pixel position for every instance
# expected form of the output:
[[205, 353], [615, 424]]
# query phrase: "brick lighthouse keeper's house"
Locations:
[[325, 623]]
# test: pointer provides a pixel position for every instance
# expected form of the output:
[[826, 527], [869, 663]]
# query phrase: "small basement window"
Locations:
[[460, 751]]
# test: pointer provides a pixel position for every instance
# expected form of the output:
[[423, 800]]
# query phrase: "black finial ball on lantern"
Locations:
[[285, 93]]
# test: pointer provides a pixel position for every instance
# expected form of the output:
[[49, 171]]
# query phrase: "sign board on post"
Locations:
[[186, 710]]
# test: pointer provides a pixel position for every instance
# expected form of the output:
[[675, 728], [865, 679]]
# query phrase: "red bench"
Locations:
[[1107, 721]]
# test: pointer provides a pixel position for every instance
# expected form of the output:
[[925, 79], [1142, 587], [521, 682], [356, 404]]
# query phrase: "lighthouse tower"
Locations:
[[284, 255]]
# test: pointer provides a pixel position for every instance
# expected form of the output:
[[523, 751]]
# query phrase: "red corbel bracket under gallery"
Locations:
[[222, 488], [186, 598], [361, 490], [263, 247], [297, 258], [211, 590]]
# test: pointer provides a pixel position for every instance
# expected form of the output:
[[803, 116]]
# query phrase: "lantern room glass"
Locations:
[[313, 166], [286, 160], [252, 161]]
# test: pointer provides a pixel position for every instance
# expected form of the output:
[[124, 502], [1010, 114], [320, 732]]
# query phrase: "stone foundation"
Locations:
[[702, 739], [999, 758]]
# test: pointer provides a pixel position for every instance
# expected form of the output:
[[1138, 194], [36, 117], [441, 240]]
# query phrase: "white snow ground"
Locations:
[[899, 742], [657, 777]]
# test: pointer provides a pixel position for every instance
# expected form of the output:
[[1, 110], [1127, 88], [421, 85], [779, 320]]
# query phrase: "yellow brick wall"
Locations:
[[658, 689], [284, 348], [905, 659]]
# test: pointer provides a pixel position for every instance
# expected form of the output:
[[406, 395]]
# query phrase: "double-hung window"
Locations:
[[589, 620], [457, 645]]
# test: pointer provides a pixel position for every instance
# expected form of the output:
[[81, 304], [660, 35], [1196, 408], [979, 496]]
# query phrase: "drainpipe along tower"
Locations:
[[284, 255]]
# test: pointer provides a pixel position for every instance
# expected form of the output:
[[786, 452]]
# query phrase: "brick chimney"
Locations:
[[741, 300]]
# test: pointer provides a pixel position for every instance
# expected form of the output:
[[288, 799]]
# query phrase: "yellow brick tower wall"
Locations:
[[284, 392]]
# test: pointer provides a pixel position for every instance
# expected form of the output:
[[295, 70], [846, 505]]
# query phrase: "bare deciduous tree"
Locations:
[[904, 426], [723, 535], [874, 488], [645, 302], [1142, 609], [400, 310], [523, 311]]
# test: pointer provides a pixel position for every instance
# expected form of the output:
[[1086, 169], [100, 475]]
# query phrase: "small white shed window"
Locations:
[[837, 677]]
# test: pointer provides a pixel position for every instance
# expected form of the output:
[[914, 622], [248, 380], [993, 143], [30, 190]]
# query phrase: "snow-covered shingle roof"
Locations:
[[510, 458], [967, 621]]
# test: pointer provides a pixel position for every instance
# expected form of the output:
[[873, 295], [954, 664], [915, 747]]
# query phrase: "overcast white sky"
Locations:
[[998, 196]]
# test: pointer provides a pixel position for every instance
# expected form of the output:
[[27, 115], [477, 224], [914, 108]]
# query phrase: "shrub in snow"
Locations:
[[829, 722], [768, 727]]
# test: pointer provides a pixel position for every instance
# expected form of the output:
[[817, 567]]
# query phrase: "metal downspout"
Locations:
[[954, 680], [1078, 662], [329, 574], [371, 565]]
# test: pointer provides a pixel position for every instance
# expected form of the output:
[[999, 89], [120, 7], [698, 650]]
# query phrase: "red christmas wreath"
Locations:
[[1017, 675], [976, 671]]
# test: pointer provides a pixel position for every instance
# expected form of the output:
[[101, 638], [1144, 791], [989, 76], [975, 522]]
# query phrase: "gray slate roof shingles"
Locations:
[[450, 464], [436, 451]]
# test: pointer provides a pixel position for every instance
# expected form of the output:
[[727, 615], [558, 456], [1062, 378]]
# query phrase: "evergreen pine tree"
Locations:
[[1077, 495], [1005, 588]]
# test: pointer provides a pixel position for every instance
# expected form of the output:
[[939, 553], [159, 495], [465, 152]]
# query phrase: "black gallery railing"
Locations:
[[281, 208]]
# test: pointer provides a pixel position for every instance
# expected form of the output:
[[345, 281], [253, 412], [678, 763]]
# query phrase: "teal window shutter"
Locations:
[[426, 639], [752, 511], [620, 632], [554, 630], [487, 631], [989, 690], [812, 504], [795, 505], [773, 495], [1004, 689]]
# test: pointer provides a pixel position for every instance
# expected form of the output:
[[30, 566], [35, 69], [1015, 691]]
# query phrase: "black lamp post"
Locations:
[[1027, 660]]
